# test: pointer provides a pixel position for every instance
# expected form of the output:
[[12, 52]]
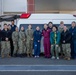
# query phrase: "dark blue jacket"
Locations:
[[73, 33], [66, 36], [37, 36], [0, 35], [13, 28], [5, 34]]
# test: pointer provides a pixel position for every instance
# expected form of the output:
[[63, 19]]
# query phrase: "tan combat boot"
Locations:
[[31, 55], [2, 56], [28, 55], [8, 56], [68, 58]]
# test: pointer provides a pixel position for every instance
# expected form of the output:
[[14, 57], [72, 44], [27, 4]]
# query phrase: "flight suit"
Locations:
[[46, 42]]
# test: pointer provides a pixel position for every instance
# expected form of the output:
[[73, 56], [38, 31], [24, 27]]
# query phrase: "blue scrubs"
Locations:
[[37, 42], [73, 42]]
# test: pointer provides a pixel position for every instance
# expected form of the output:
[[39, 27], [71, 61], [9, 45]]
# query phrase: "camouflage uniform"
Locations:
[[29, 41], [66, 40], [66, 50], [15, 38], [22, 44], [60, 29]]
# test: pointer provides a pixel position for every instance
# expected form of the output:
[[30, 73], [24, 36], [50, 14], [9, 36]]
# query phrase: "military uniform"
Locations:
[[29, 41], [66, 40], [15, 38], [5, 45], [60, 29], [22, 44]]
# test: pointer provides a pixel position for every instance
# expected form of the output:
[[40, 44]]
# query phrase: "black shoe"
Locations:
[[14, 55]]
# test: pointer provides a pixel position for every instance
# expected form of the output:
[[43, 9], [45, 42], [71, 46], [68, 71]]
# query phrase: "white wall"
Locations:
[[14, 5], [55, 5]]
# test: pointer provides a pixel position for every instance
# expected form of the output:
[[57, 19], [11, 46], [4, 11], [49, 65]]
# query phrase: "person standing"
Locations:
[[37, 41], [66, 40], [13, 27], [15, 38], [22, 42], [0, 40], [73, 42], [46, 41], [55, 40], [29, 41], [60, 29], [50, 25], [5, 44]]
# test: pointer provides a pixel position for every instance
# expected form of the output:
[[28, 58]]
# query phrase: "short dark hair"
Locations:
[[5, 24], [50, 22], [12, 20], [55, 27], [74, 22]]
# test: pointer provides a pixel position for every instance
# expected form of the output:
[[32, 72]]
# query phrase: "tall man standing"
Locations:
[[13, 27], [60, 29]]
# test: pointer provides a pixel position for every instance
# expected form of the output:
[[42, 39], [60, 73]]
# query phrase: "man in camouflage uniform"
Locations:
[[22, 47], [60, 29], [5, 43], [29, 41], [66, 40], [15, 38]]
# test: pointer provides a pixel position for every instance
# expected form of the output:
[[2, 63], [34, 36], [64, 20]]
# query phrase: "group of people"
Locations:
[[58, 41]]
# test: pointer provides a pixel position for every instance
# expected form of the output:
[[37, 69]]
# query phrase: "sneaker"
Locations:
[[2, 56], [57, 57], [8, 56], [68, 58], [53, 57], [31, 55], [65, 58], [28, 55], [37, 56]]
